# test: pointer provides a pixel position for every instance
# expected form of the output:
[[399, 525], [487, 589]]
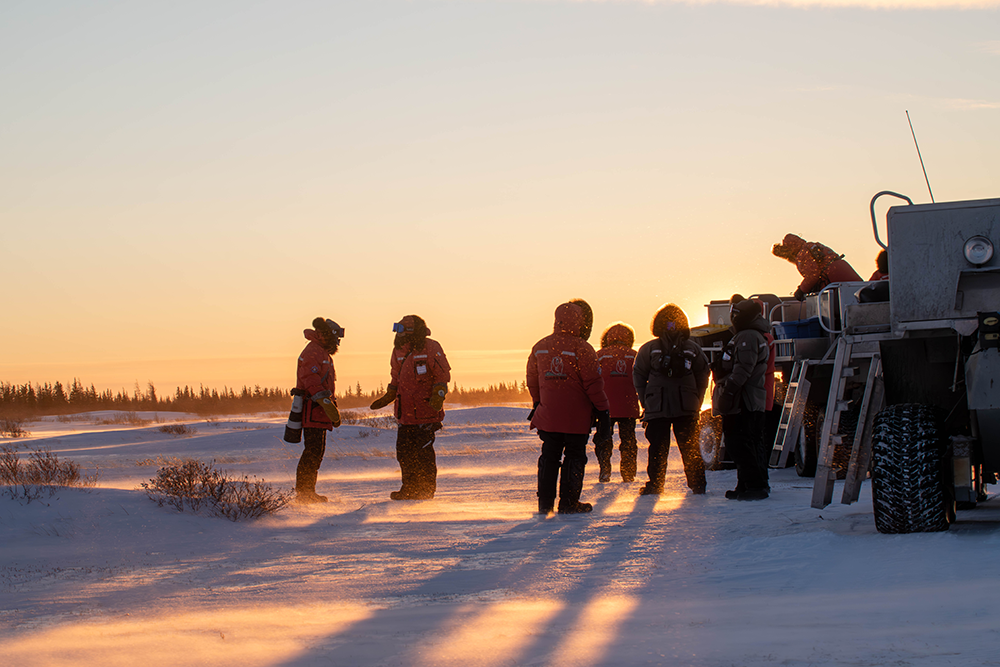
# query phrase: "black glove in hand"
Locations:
[[603, 426], [799, 295], [386, 399], [531, 415]]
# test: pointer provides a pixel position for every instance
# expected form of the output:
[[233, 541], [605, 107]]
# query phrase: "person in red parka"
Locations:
[[818, 265], [615, 359], [316, 380], [566, 387], [419, 382]]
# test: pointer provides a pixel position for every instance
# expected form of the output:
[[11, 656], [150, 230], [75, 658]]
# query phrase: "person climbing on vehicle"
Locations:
[[418, 384], [316, 384], [565, 384], [881, 266], [670, 377], [616, 358], [739, 397], [817, 264]]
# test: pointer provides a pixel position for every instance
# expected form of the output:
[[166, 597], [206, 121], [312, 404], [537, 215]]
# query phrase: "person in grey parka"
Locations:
[[740, 395], [670, 375]]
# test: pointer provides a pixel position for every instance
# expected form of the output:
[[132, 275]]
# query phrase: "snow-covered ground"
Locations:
[[105, 577]]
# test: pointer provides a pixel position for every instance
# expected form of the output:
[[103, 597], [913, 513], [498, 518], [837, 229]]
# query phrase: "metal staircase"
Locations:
[[846, 365]]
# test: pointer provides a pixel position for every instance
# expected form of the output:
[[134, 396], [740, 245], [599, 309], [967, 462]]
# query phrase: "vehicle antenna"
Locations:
[[919, 155]]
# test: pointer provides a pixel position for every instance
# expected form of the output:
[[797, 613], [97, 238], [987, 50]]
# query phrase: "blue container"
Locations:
[[809, 328]]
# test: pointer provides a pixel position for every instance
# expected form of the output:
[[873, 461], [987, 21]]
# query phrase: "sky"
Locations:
[[184, 186]]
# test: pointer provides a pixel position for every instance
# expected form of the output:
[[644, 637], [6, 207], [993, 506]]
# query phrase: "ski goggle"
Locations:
[[398, 327], [335, 328]]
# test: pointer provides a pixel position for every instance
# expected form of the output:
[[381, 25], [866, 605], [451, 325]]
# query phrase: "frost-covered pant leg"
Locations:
[[314, 446], [686, 432], [629, 448], [417, 461], [603, 450], [658, 435]]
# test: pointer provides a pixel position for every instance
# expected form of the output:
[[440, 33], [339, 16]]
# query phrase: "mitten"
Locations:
[[330, 408], [438, 391], [386, 399]]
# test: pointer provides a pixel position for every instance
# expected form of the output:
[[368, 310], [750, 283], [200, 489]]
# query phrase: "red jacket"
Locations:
[[414, 373], [615, 363], [317, 377], [563, 377], [818, 265]]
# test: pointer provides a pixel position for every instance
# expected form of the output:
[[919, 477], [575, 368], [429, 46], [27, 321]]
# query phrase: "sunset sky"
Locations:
[[185, 185]]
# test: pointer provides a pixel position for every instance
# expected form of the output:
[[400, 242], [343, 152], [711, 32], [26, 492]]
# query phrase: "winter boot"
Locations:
[[546, 505], [650, 489], [309, 497], [605, 474], [735, 493], [753, 494], [577, 507]]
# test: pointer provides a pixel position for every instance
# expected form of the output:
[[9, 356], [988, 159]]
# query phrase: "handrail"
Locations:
[[871, 207], [819, 302]]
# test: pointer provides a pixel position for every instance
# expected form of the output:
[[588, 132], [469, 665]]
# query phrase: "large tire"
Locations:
[[909, 494], [710, 440]]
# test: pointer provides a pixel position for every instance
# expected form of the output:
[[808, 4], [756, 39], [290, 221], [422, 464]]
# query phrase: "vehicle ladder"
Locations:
[[844, 369], [793, 409]]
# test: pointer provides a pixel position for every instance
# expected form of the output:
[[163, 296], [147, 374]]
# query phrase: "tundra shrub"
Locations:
[[40, 473], [13, 428], [201, 487], [177, 429]]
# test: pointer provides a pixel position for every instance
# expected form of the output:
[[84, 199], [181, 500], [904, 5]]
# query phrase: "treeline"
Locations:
[[491, 395], [356, 397], [35, 400], [27, 400]]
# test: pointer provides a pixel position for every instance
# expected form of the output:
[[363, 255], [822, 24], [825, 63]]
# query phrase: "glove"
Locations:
[[603, 426], [438, 391], [330, 408], [799, 295], [531, 415], [386, 399]]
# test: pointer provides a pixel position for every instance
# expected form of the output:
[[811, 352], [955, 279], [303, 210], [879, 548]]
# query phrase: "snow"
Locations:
[[105, 577]]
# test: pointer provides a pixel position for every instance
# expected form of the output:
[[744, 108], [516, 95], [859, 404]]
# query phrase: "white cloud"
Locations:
[[971, 105]]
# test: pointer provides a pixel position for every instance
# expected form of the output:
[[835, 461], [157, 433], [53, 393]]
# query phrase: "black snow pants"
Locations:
[[312, 457], [744, 434], [573, 465], [686, 432], [417, 461]]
